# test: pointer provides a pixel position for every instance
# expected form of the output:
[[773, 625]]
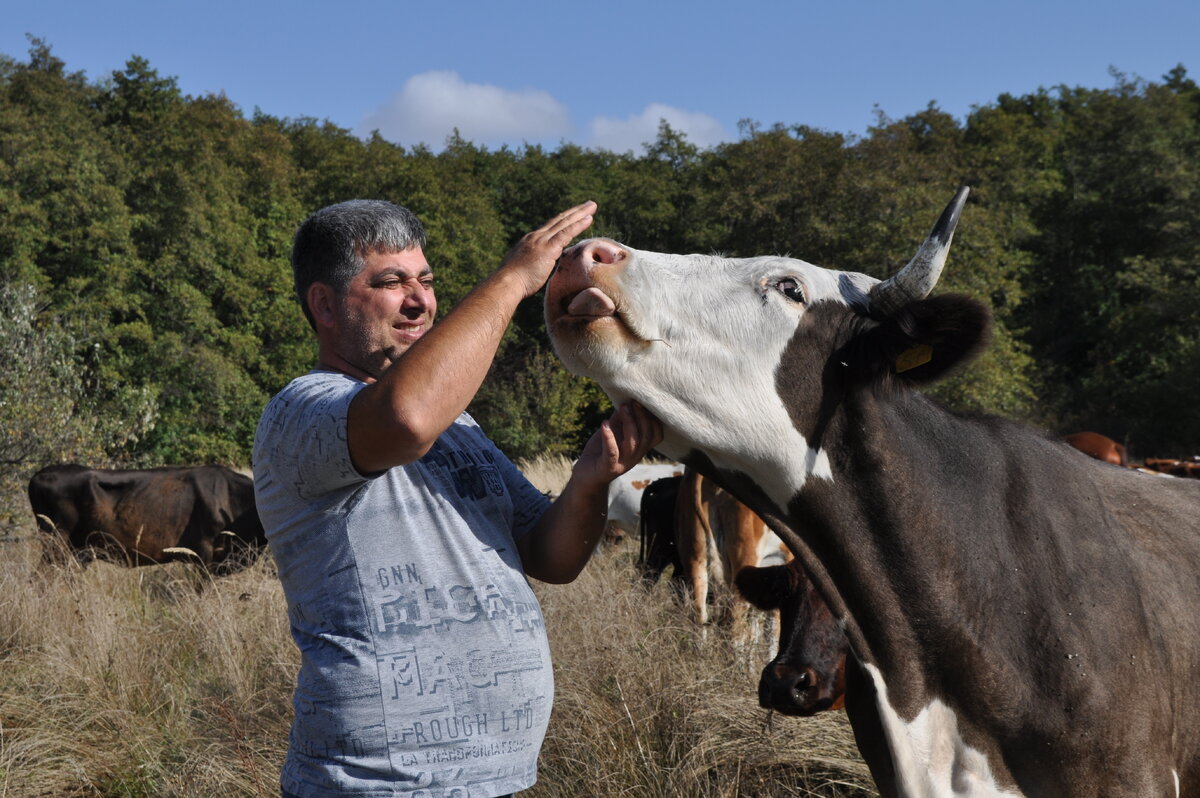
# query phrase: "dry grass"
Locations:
[[133, 683]]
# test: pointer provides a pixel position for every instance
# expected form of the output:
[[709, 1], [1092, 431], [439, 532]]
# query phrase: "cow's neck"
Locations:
[[898, 528]]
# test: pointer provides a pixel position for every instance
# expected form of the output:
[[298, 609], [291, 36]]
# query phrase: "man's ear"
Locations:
[[322, 301]]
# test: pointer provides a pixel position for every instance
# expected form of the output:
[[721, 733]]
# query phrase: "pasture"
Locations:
[[133, 683]]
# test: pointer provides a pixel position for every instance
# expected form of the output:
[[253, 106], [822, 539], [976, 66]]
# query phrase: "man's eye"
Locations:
[[790, 288]]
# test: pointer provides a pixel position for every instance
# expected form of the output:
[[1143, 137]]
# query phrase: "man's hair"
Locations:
[[331, 246]]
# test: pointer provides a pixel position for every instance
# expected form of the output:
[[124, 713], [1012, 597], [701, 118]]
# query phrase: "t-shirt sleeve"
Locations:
[[305, 441]]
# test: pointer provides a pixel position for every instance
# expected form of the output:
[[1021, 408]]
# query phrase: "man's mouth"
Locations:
[[411, 331]]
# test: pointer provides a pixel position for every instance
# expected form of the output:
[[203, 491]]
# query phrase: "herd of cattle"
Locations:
[[684, 523]]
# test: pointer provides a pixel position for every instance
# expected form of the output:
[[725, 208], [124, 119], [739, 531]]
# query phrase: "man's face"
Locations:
[[387, 307]]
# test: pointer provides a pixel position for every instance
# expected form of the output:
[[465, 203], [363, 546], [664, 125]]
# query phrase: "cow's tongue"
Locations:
[[591, 302]]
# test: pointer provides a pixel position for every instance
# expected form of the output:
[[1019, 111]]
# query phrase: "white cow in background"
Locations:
[[625, 497]]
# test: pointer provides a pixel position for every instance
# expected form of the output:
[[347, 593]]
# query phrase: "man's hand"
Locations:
[[534, 256], [620, 444]]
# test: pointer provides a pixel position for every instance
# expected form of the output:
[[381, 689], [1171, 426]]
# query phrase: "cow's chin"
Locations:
[[594, 346]]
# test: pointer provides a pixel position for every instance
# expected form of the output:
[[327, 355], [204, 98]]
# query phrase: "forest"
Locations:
[[147, 311]]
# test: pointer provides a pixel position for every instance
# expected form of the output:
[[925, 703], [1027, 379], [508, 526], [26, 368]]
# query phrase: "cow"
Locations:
[[200, 514], [625, 497], [715, 537], [656, 530], [1099, 446], [1021, 623], [808, 675]]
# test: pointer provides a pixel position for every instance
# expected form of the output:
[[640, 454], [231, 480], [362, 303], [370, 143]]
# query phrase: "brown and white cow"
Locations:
[[1022, 624], [716, 536]]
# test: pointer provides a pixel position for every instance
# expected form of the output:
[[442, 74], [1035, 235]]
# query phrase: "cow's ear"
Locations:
[[924, 340], [765, 588]]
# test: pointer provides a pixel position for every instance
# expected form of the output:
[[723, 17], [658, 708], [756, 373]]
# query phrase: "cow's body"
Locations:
[[201, 514], [1022, 623], [1099, 446], [625, 497], [808, 675], [656, 529], [716, 536]]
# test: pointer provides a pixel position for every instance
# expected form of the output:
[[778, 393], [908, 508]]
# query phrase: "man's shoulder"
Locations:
[[316, 385]]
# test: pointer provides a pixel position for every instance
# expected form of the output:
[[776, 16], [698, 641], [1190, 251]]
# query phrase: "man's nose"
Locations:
[[417, 296]]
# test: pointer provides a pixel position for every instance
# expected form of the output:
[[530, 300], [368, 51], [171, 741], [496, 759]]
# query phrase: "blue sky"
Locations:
[[602, 74]]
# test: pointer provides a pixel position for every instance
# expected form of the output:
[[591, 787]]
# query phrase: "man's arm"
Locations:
[[565, 537], [396, 419]]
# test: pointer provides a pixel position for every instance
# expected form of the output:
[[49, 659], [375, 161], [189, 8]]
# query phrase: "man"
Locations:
[[402, 535]]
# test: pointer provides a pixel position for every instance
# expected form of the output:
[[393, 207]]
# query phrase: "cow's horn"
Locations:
[[917, 279]]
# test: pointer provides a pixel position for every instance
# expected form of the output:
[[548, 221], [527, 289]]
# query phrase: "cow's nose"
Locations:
[[599, 251], [787, 688]]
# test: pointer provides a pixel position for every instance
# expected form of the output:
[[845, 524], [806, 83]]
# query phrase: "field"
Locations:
[[133, 683]]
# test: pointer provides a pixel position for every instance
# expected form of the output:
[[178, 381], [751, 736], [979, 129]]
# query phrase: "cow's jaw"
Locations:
[[707, 368]]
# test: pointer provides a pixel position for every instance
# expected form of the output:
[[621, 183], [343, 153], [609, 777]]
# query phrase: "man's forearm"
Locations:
[[563, 541]]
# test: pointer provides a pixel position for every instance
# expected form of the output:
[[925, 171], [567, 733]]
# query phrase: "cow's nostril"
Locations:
[[605, 253]]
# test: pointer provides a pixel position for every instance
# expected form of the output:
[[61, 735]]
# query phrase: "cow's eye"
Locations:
[[790, 287]]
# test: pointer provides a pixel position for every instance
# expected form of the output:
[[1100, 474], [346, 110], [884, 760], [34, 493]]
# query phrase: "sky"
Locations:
[[603, 74]]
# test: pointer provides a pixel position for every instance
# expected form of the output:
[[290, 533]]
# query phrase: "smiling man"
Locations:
[[402, 535]]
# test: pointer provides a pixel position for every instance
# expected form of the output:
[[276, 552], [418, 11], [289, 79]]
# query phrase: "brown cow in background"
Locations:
[[200, 514], [1098, 446]]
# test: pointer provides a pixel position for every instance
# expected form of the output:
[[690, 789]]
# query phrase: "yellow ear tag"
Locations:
[[918, 355]]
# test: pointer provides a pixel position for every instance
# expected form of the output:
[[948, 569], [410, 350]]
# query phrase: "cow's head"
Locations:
[[741, 358], [808, 675]]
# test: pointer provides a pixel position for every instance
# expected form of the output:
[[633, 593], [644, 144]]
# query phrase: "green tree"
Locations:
[[48, 413]]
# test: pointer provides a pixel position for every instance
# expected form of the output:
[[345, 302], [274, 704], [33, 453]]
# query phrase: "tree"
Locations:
[[47, 412]]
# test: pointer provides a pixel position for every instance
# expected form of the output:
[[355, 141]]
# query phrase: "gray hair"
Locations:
[[331, 246]]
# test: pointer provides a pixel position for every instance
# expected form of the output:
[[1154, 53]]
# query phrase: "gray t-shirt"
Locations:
[[425, 669]]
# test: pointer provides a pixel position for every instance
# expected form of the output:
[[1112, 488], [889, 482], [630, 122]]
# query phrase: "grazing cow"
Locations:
[[201, 514], [715, 537], [625, 497], [1174, 468], [1099, 446], [656, 529], [808, 675], [1022, 623]]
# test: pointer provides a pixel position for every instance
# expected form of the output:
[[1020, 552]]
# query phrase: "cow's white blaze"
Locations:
[[698, 342], [930, 757]]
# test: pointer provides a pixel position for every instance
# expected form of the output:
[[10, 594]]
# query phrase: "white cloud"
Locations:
[[631, 133], [431, 105]]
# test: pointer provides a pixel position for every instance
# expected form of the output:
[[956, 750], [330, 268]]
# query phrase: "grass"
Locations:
[[143, 682]]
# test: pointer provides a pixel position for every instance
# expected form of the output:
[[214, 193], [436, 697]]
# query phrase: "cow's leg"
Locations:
[[691, 541]]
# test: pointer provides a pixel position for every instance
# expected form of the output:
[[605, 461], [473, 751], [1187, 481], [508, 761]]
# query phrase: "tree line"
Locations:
[[146, 302]]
